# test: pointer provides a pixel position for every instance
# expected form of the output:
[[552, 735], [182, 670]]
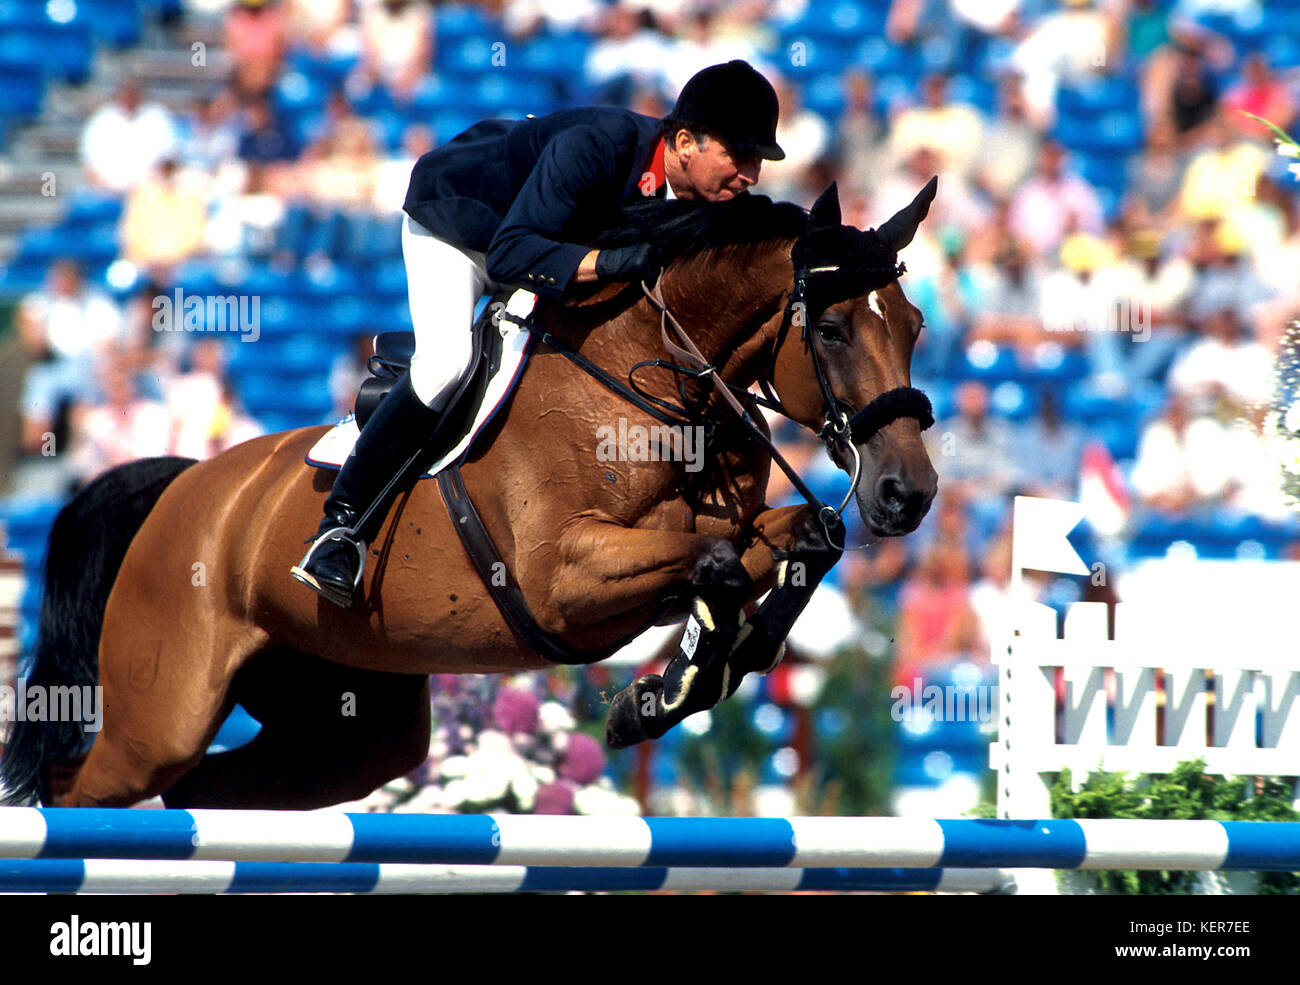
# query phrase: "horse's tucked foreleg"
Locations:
[[698, 677], [714, 657], [800, 567]]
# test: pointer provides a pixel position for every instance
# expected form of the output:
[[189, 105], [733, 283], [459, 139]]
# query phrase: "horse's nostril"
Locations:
[[891, 493]]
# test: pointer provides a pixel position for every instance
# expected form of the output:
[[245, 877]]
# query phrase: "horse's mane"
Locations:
[[680, 228]]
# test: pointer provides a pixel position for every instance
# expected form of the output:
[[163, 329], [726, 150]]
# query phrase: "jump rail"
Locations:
[[709, 842], [133, 876]]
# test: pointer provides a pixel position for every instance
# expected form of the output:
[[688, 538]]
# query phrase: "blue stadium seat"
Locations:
[[556, 57], [1114, 133], [462, 20], [894, 90], [880, 57], [350, 316], [449, 123], [974, 90], [468, 56], [28, 514], [264, 281], [388, 280], [847, 19], [1001, 365], [298, 91], [438, 92], [306, 355], [824, 93], [804, 55], [114, 22], [332, 281], [497, 93], [21, 278], [89, 207], [62, 50], [1283, 50], [1097, 96], [197, 277], [42, 245], [21, 15], [22, 84]]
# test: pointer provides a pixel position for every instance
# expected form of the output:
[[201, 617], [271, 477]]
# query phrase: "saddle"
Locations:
[[498, 360], [392, 358]]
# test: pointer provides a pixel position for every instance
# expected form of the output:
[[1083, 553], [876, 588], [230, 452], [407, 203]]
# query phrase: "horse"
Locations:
[[167, 579]]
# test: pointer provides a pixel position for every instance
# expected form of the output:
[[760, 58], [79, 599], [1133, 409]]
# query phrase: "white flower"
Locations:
[[542, 774], [493, 742], [525, 789], [454, 767], [1292, 420], [1287, 150], [597, 801], [454, 793], [1294, 169], [554, 717], [486, 786]]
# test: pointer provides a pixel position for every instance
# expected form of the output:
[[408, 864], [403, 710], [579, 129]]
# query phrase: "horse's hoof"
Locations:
[[628, 723]]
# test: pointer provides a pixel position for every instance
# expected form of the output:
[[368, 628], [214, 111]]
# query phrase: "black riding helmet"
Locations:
[[735, 102]]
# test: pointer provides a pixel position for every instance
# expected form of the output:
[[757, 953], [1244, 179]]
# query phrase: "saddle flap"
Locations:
[[500, 353]]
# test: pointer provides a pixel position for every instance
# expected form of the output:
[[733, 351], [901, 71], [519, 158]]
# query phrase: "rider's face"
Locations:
[[713, 173]]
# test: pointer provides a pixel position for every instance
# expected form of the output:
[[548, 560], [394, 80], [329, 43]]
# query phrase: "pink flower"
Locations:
[[554, 798], [584, 760], [515, 711]]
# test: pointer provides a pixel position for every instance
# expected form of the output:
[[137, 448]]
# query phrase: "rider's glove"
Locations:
[[628, 263]]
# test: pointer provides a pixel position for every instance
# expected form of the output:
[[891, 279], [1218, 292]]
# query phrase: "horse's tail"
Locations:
[[87, 544]]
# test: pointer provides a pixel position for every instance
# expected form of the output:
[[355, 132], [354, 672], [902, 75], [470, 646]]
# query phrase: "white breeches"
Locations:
[[444, 283]]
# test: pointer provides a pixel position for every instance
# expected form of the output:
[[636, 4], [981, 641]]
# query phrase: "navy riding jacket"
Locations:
[[527, 192]]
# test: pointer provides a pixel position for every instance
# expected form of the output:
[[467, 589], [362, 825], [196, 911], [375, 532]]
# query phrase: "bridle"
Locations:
[[841, 426]]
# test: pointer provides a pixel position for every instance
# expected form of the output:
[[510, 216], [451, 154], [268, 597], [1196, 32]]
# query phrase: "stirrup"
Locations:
[[347, 535]]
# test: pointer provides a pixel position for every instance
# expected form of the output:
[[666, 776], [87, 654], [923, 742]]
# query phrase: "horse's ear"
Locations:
[[825, 213], [899, 229]]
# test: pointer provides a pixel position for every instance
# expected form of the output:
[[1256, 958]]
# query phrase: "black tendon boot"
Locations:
[[400, 427]]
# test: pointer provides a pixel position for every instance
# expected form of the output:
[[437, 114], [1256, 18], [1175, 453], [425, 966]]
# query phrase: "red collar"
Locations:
[[654, 170]]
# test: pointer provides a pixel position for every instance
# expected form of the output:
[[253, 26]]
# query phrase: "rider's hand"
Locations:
[[638, 262]]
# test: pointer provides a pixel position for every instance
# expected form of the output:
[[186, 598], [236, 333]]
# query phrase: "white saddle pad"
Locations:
[[336, 444]]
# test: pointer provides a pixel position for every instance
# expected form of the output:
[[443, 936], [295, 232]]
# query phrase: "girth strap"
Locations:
[[499, 581]]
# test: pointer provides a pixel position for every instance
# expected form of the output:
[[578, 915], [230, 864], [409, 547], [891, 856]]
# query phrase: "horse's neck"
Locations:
[[730, 311], [734, 331]]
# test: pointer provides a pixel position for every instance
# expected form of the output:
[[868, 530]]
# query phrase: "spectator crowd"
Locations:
[[1117, 304]]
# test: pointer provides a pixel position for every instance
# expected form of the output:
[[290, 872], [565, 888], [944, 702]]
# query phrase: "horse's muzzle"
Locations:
[[896, 502]]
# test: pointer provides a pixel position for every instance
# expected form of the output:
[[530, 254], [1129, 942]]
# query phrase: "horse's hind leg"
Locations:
[[329, 734], [159, 716]]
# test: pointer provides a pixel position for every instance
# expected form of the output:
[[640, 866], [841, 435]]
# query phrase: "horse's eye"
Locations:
[[829, 332]]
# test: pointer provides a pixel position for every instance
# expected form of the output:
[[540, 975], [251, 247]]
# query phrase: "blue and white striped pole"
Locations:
[[135, 876], [800, 842]]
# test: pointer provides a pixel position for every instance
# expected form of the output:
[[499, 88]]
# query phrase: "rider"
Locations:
[[506, 203]]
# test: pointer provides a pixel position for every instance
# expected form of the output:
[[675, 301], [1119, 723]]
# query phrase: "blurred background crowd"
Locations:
[[1107, 275]]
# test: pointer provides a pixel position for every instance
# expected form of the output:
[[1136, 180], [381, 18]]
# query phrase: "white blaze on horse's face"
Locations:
[[874, 304]]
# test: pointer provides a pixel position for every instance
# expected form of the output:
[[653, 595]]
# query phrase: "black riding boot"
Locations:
[[400, 426]]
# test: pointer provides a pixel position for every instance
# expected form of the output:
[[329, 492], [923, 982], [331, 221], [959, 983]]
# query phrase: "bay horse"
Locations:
[[167, 580]]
